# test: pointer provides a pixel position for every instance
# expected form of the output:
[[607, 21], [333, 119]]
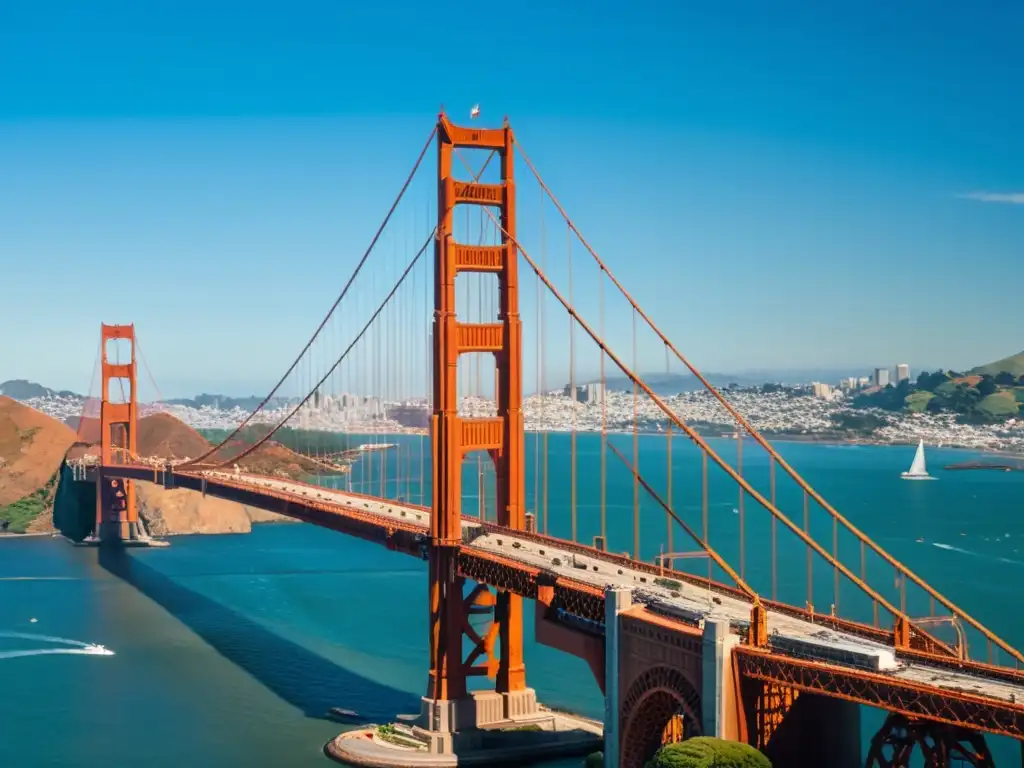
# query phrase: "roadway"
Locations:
[[693, 604]]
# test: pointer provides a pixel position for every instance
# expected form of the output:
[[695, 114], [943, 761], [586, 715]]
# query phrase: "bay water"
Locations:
[[230, 649]]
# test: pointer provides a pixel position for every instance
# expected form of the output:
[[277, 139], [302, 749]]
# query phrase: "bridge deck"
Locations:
[[816, 658]]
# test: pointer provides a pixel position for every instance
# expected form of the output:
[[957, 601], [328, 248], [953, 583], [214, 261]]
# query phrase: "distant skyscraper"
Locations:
[[902, 372], [881, 377], [586, 393], [593, 393]]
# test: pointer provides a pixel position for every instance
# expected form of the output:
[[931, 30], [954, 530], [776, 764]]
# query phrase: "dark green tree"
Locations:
[[964, 398], [986, 386], [929, 381], [1005, 379], [707, 752]]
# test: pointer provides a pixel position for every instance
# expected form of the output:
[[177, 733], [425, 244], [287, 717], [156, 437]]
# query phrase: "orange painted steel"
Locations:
[[453, 437], [729, 470], [115, 497], [437, 532], [587, 601], [804, 485], [953, 707]]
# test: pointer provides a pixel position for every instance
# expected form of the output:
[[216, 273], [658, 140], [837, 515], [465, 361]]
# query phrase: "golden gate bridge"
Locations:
[[732, 643]]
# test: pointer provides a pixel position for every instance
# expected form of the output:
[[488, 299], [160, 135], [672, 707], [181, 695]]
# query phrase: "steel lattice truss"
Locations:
[[958, 708], [900, 737], [951, 706]]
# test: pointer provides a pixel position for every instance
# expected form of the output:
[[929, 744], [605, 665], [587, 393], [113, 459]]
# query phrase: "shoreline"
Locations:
[[773, 438], [817, 439]]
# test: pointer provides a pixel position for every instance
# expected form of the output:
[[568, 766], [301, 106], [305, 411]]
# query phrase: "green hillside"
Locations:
[[975, 399], [1014, 364]]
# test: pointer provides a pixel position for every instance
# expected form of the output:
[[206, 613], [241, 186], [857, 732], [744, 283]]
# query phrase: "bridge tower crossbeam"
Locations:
[[448, 703]]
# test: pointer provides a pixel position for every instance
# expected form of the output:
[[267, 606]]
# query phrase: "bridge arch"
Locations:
[[651, 711]]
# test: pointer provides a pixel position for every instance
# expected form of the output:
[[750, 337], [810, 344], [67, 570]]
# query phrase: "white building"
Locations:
[[881, 377], [902, 372]]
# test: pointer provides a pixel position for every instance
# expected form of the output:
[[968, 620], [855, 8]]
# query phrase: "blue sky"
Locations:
[[778, 188]]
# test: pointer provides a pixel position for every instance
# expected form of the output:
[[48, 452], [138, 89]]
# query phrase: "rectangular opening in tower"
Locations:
[[470, 164], [477, 297], [477, 385], [119, 390], [118, 351], [478, 486]]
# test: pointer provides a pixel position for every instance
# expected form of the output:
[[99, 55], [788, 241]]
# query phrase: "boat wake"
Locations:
[[78, 648], [56, 651], [971, 553]]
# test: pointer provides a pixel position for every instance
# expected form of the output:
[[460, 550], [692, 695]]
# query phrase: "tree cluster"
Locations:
[[948, 392], [705, 752]]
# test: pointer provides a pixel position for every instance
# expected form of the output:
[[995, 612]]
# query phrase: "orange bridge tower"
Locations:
[[117, 516], [448, 705]]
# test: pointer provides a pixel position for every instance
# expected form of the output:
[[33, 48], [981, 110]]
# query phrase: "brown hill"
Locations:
[[32, 446], [164, 436], [272, 458], [168, 437]]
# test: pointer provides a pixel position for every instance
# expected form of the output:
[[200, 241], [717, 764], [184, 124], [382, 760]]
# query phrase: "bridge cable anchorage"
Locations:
[[703, 445], [330, 312], [773, 454], [250, 449], [687, 529]]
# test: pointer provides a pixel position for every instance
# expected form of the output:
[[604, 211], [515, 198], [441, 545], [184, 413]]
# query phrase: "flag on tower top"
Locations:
[[474, 112]]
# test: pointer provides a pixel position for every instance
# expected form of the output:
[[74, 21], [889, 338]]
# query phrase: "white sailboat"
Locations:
[[918, 470]]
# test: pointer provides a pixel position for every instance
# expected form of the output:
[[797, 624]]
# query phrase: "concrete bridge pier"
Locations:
[[457, 725], [616, 600], [657, 678], [122, 531], [718, 698]]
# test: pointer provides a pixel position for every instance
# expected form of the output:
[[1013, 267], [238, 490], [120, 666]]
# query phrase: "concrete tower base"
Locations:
[[124, 534], [447, 725]]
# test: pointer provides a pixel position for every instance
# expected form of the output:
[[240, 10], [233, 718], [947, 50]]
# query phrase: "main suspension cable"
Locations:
[[769, 449], [337, 362], [330, 313], [703, 445]]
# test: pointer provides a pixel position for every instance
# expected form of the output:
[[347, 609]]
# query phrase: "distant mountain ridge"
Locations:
[[21, 389], [1014, 364]]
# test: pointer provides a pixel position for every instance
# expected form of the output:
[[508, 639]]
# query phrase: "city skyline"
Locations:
[[787, 216]]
